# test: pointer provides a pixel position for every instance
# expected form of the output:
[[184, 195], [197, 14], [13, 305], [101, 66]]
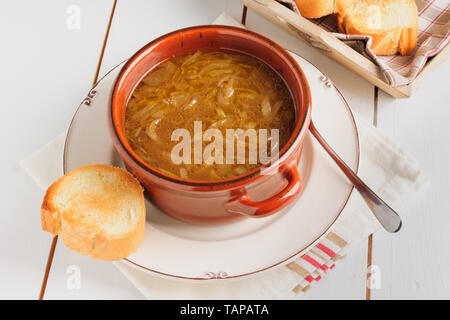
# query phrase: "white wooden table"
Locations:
[[48, 65]]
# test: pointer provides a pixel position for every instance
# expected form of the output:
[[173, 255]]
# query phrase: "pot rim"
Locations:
[[295, 138]]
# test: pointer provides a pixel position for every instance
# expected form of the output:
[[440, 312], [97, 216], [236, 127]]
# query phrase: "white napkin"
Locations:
[[389, 170]]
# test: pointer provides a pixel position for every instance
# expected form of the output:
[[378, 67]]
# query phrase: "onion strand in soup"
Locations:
[[223, 91]]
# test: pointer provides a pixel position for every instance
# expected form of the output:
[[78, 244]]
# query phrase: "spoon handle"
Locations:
[[387, 217]]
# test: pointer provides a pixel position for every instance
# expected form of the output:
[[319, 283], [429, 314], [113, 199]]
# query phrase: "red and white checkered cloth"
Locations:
[[434, 34]]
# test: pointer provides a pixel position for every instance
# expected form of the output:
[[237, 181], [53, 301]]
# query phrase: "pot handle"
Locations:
[[264, 208]]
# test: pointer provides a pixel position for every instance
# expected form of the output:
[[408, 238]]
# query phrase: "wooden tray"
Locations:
[[325, 42]]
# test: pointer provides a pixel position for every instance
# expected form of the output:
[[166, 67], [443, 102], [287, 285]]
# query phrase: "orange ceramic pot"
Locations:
[[258, 193]]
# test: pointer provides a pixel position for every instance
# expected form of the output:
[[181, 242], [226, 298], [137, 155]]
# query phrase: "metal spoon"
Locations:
[[388, 218]]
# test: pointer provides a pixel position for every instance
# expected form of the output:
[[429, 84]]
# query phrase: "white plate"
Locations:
[[176, 249]]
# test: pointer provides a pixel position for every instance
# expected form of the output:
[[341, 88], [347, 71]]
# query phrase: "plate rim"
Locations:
[[222, 275]]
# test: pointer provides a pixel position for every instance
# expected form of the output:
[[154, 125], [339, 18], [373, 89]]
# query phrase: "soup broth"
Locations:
[[222, 90]]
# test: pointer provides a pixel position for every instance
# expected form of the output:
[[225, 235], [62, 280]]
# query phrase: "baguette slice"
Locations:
[[392, 24], [312, 9], [98, 211]]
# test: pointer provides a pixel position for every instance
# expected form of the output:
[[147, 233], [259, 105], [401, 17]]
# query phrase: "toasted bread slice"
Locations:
[[316, 8], [98, 211], [392, 24]]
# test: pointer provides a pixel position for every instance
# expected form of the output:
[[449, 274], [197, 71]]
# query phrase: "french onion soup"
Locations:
[[194, 107]]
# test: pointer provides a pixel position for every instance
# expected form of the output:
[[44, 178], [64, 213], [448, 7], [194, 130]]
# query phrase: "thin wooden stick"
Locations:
[[369, 263], [244, 15], [48, 267], [55, 238], [105, 40], [370, 239]]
